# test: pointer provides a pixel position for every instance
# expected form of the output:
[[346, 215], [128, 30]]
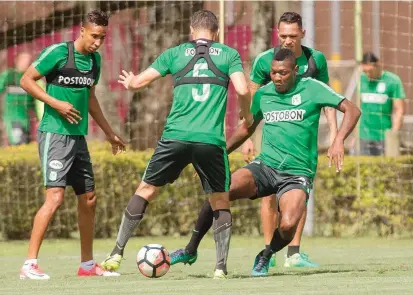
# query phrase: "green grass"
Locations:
[[349, 266]]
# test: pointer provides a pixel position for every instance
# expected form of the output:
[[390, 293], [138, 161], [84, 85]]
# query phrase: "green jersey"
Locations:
[[17, 103], [377, 104], [54, 58], [289, 137], [261, 66], [198, 110]]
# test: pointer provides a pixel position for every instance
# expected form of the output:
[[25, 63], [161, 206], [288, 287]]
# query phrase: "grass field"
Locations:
[[349, 266]]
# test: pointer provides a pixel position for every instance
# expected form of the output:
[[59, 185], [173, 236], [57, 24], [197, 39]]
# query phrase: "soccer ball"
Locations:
[[153, 261]]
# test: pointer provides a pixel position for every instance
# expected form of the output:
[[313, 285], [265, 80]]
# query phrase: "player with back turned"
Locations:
[[194, 130]]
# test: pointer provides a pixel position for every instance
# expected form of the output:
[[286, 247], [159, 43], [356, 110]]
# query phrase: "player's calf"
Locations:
[[222, 226]]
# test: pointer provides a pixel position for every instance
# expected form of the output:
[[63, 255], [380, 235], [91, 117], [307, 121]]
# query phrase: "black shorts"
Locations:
[[270, 181], [65, 161], [172, 156], [371, 147]]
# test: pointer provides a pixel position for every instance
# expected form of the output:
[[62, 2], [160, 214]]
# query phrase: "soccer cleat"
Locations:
[[219, 274], [273, 262], [299, 260], [112, 262], [96, 270], [32, 272], [261, 265], [182, 256]]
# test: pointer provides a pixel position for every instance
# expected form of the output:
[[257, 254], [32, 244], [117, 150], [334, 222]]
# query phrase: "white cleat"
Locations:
[[32, 272], [219, 274]]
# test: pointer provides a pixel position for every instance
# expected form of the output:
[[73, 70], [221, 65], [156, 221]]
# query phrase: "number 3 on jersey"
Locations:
[[206, 88]]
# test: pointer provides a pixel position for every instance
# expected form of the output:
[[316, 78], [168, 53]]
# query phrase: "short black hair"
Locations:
[[369, 58], [284, 54], [96, 17], [204, 19], [291, 18]]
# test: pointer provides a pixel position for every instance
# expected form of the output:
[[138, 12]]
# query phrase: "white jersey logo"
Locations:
[[381, 87], [296, 99], [212, 51], [374, 98], [287, 115], [82, 81], [55, 164]]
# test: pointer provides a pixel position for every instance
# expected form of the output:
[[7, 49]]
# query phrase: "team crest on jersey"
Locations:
[[381, 87], [296, 99]]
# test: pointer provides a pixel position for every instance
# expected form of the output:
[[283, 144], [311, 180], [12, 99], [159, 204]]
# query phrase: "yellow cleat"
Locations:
[[112, 263]]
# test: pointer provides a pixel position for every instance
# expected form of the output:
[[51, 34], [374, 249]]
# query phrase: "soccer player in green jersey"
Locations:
[[382, 95], [72, 70], [17, 103], [290, 107], [194, 130], [312, 63]]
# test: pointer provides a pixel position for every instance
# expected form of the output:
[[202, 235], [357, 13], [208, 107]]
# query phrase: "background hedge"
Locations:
[[371, 196]]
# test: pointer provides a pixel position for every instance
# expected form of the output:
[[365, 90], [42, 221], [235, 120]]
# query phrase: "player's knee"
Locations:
[[54, 198], [288, 226], [88, 201], [219, 201], [147, 191]]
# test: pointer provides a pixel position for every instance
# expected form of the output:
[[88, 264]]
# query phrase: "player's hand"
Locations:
[[248, 151], [336, 154], [118, 144], [126, 78], [67, 111], [248, 118]]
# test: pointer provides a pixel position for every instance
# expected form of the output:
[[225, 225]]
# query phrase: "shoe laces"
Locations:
[[178, 253], [304, 256], [262, 263], [35, 268]]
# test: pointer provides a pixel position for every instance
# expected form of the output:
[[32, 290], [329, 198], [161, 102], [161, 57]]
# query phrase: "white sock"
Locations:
[[30, 262], [87, 265]]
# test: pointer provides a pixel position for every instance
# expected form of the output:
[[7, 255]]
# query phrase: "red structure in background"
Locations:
[[238, 37]]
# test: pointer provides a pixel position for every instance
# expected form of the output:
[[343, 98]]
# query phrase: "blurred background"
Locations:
[[372, 196]]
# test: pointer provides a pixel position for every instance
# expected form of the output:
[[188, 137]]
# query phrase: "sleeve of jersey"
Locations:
[[99, 64], [398, 91], [3, 81], [50, 57], [258, 72], [326, 97], [322, 69], [256, 107], [235, 64], [163, 62]]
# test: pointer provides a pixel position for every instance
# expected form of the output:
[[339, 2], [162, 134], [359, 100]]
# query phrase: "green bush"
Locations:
[[382, 205]]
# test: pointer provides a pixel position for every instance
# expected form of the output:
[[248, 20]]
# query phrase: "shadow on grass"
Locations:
[[277, 274]]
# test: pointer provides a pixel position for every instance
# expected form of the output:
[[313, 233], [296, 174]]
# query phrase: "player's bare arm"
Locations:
[[240, 135], [351, 116], [244, 96], [137, 82], [331, 116], [65, 109], [118, 144], [399, 108], [248, 150]]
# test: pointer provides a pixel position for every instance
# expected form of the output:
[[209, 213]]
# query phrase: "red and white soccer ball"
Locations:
[[153, 261]]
